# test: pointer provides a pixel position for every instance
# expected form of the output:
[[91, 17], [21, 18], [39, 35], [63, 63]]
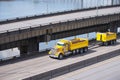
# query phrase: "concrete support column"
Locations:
[[31, 48], [23, 50], [113, 27]]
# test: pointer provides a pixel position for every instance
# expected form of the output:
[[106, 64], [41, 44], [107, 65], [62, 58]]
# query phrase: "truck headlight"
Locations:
[[49, 52]]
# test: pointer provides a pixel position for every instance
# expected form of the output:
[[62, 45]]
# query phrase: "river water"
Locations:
[[10, 9]]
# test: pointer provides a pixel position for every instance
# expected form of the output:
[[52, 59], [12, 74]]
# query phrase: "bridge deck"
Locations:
[[58, 18]]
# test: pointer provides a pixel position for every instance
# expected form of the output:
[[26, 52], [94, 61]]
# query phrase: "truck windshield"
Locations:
[[60, 44]]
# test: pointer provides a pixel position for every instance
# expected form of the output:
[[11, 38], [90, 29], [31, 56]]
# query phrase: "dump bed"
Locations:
[[104, 37], [78, 43]]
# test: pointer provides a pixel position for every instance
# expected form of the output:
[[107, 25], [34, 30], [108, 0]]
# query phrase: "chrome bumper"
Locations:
[[53, 56]]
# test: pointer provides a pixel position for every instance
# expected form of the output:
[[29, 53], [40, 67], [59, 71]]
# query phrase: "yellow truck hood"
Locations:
[[57, 47]]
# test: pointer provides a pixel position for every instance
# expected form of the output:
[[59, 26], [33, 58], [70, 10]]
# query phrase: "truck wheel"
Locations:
[[114, 41], [106, 43], [77, 51], [81, 51], [102, 44], [60, 56], [73, 52], [85, 49], [111, 42]]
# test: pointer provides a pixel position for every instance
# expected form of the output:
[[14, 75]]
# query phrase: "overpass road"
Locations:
[[27, 68], [106, 70], [58, 18]]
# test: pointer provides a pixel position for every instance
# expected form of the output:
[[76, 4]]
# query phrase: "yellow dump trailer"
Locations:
[[67, 47], [106, 38], [78, 43]]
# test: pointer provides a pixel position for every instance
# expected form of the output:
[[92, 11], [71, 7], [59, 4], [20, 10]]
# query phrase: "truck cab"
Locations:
[[59, 49]]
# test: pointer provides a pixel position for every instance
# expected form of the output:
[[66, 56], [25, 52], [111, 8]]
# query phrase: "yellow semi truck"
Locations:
[[106, 38], [66, 47]]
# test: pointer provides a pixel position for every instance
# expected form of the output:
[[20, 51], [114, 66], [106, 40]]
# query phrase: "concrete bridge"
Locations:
[[26, 34]]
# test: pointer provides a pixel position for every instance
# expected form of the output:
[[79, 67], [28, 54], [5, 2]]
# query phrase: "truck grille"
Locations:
[[53, 51]]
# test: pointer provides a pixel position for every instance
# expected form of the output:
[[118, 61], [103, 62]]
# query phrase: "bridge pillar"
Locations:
[[31, 48], [113, 27]]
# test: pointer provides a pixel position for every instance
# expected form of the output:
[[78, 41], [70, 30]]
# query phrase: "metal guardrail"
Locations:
[[53, 14], [63, 70]]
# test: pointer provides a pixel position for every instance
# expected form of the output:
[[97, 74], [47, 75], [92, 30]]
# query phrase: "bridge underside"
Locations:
[[31, 45]]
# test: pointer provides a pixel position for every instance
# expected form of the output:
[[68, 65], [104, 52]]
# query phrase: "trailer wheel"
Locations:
[[81, 51], [60, 56], [73, 52], [106, 43], [114, 41], [85, 49], [102, 44], [77, 51], [111, 42]]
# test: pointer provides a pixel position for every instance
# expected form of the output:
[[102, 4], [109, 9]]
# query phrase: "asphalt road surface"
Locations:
[[27, 68], [106, 70]]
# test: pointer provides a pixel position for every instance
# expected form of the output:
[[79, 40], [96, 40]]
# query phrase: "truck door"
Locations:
[[66, 48]]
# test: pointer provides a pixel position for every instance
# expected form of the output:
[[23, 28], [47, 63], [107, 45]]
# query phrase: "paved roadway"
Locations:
[[27, 68], [106, 70], [53, 19]]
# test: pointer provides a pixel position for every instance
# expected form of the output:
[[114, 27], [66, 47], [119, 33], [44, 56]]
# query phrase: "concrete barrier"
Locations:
[[42, 76], [72, 67], [27, 78], [90, 61], [101, 58], [60, 71], [76, 66]]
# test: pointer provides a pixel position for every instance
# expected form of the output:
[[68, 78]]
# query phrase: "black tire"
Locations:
[[102, 44], [106, 43], [85, 49], [73, 52], [81, 50], [114, 41], [111, 42], [77, 51], [60, 57]]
